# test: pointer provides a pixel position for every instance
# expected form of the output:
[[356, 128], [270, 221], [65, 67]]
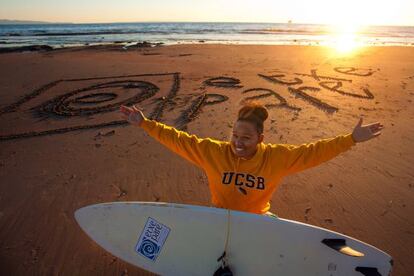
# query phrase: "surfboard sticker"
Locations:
[[152, 239]]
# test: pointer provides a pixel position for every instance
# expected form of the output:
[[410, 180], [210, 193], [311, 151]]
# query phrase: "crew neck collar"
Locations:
[[255, 157]]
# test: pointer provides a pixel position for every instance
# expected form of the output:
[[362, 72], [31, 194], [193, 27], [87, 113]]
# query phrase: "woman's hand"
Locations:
[[367, 132], [132, 114]]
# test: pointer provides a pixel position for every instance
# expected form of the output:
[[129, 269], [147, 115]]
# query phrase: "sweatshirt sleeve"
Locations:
[[190, 147], [298, 158]]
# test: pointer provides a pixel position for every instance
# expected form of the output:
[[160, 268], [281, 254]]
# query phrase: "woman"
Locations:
[[244, 173]]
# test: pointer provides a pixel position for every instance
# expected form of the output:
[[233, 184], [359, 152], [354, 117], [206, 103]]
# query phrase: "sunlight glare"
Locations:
[[344, 38]]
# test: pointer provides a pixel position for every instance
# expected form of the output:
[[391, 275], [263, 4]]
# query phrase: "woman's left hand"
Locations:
[[364, 133]]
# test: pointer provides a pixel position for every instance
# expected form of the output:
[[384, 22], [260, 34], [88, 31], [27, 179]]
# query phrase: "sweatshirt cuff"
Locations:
[[350, 140], [147, 124]]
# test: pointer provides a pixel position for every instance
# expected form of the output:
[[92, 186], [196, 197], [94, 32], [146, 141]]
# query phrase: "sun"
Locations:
[[345, 43], [343, 38]]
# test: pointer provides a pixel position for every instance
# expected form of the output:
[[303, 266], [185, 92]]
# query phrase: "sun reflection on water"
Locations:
[[344, 38]]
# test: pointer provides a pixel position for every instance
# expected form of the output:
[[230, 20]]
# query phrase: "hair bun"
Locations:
[[253, 111]]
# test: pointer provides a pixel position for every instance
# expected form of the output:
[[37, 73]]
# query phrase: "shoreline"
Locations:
[[120, 45]]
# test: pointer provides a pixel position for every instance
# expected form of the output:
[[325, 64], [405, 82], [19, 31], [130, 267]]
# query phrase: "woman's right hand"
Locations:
[[132, 114]]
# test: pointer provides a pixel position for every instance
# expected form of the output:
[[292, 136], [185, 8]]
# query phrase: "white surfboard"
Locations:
[[178, 239]]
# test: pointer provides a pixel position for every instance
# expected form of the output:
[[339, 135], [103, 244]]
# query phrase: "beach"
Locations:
[[64, 145]]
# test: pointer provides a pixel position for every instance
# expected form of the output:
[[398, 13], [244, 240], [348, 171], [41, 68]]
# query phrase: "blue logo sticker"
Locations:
[[148, 249], [152, 239]]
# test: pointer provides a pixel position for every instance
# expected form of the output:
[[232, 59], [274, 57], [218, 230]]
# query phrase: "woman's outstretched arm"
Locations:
[[190, 147], [298, 158]]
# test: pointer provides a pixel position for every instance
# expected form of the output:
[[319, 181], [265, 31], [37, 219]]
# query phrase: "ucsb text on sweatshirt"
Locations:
[[240, 184]]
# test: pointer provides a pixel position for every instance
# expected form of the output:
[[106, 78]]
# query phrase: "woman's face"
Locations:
[[245, 139]]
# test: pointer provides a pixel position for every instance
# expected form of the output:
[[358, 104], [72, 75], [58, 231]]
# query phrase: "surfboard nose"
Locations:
[[82, 214], [87, 217], [79, 214]]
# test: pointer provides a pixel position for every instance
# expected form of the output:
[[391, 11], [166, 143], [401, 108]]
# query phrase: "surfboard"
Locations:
[[179, 239]]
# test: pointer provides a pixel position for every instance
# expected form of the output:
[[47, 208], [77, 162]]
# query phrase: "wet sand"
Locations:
[[63, 145]]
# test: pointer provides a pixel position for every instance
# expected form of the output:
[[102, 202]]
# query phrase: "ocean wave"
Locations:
[[284, 31], [118, 32], [255, 33]]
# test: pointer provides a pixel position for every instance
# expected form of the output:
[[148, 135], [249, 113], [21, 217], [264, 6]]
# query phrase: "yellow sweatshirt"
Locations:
[[240, 184]]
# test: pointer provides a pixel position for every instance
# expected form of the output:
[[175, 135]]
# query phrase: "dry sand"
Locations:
[[51, 165]]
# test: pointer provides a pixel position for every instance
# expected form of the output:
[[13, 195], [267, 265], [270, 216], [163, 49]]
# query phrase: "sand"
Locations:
[[64, 146]]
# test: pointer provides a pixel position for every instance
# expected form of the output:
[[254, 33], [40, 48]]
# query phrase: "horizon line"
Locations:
[[156, 21]]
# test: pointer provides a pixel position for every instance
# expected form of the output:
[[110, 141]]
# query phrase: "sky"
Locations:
[[356, 12]]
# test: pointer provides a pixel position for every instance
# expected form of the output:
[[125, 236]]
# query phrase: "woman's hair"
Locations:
[[254, 113]]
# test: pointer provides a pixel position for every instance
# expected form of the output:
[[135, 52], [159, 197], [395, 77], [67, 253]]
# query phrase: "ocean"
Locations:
[[64, 35]]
